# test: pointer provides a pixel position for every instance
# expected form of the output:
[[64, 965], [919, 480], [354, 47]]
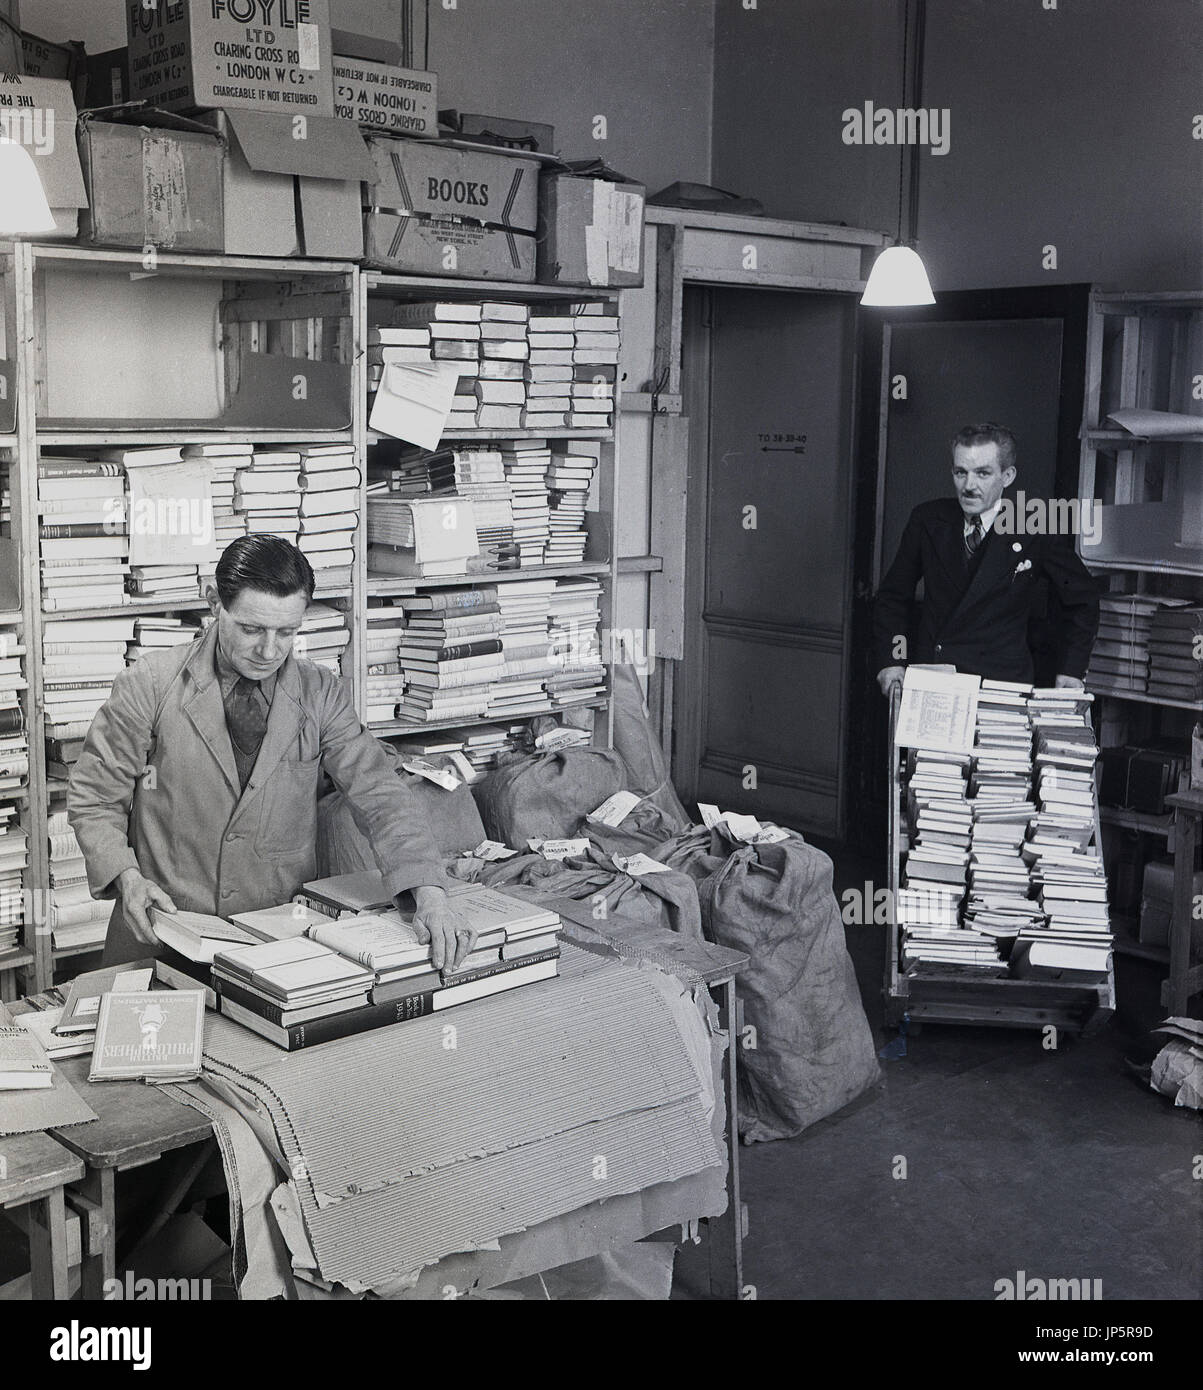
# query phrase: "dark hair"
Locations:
[[266, 563], [969, 435]]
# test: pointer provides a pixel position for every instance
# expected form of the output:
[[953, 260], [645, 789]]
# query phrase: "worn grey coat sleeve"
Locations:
[[383, 806], [103, 781]]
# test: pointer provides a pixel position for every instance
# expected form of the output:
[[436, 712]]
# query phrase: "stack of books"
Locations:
[[80, 658], [187, 521], [1176, 655], [329, 511], [23, 1064], [1119, 659], [568, 480], [530, 662], [323, 637], [526, 464], [267, 493], [574, 635], [386, 676], [470, 752], [159, 634], [222, 463], [77, 920], [14, 776], [423, 537], [83, 533], [275, 986], [549, 369]]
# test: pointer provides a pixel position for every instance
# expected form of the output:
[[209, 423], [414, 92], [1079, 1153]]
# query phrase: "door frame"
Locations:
[[1070, 304], [688, 736]]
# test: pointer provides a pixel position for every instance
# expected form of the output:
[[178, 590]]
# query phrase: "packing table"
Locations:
[[34, 1171]]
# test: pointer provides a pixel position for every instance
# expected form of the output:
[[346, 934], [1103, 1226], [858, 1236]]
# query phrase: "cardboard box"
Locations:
[[590, 231], [261, 55], [440, 211], [39, 113], [369, 29], [108, 78], [156, 183], [289, 197], [11, 53], [403, 101], [45, 59], [1156, 907], [502, 131]]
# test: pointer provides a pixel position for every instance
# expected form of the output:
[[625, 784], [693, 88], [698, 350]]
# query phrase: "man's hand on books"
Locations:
[[138, 896], [1068, 683], [890, 676], [433, 921]]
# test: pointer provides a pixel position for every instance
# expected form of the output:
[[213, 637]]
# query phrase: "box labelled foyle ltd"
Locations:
[[262, 55], [39, 113], [286, 196], [590, 231], [439, 211], [402, 101], [154, 183]]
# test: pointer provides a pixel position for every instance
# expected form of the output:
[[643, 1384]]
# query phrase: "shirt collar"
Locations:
[[986, 518], [227, 676]]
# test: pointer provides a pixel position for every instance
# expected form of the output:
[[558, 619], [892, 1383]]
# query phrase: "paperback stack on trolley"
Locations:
[[368, 968]]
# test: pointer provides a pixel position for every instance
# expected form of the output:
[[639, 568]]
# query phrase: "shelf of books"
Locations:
[[1141, 491], [996, 872], [489, 564], [164, 406]]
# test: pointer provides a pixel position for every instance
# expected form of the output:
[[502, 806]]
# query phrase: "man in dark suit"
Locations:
[[980, 580]]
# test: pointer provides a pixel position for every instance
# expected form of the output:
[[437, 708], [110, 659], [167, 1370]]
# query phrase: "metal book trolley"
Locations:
[[942, 993]]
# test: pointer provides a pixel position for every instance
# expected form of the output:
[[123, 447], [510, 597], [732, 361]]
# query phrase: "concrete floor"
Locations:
[[1056, 1163]]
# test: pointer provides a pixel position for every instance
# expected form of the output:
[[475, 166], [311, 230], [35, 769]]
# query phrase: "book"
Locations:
[[24, 1065], [150, 1035], [197, 935], [363, 891], [81, 1009]]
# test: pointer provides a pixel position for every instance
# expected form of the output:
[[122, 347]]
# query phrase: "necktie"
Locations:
[[973, 538], [246, 717]]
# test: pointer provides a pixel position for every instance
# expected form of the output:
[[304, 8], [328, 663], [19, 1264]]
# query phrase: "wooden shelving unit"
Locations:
[[245, 326], [1143, 352]]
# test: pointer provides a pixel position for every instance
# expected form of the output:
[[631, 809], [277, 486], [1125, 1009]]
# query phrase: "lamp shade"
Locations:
[[897, 278], [24, 210]]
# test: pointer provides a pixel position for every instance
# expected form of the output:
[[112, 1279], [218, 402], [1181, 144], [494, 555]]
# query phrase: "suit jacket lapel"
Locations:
[[993, 567], [203, 706], [283, 722]]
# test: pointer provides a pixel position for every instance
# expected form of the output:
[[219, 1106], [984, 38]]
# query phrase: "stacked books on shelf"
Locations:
[[77, 920], [323, 636], [551, 368], [83, 533], [1119, 660], [526, 463], [329, 511], [14, 777], [1064, 858], [367, 970], [480, 748], [1176, 655], [80, 658], [160, 634], [386, 677], [569, 478], [574, 636], [424, 537], [221, 464], [267, 493], [171, 514]]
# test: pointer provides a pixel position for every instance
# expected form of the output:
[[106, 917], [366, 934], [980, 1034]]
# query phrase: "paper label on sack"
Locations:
[[309, 48], [440, 776], [711, 815], [556, 739], [615, 809], [559, 849], [770, 835], [490, 850], [744, 828], [164, 191], [637, 865], [171, 514]]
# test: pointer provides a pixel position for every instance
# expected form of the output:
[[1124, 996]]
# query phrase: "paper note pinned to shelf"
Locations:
[[171, 514], [414, 400]]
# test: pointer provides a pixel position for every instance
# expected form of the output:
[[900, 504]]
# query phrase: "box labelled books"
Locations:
[[439, 211], [590, 231], [288, 196], [154, 183], [259, 55], [39, 113], [403, 101]]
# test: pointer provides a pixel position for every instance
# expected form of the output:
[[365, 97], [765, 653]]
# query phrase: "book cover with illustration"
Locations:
[[149, 1034]]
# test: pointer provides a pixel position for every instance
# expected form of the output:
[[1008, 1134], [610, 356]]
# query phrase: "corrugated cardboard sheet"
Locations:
[[409, 1149]]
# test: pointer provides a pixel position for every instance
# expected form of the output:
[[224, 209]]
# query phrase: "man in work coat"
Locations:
[[197, 785], [980, 579]]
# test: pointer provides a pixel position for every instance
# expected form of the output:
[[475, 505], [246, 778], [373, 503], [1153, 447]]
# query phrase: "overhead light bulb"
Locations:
[[898, 277], [24, 210]]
